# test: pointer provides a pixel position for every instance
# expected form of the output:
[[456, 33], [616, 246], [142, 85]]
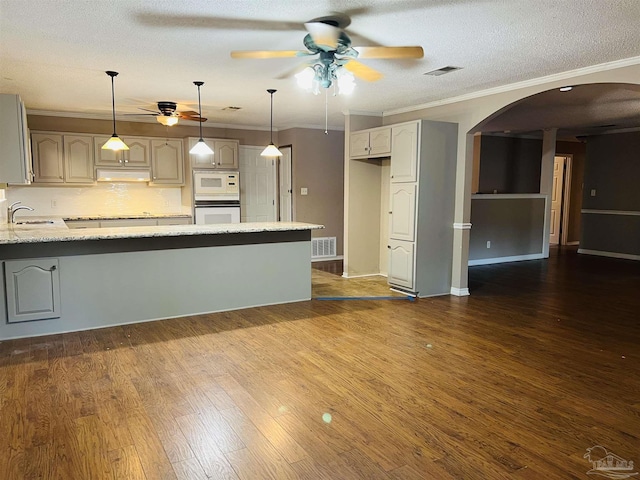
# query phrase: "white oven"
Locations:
[[216, 197], [211, 185]]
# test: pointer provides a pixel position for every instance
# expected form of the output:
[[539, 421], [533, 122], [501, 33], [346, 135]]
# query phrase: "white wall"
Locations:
[[108, 199]]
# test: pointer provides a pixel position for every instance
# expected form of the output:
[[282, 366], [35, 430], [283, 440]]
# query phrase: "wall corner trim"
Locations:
[[459, 292], [462, 226]]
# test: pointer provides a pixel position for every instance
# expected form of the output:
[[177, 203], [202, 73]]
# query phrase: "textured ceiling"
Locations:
[[54, 52]]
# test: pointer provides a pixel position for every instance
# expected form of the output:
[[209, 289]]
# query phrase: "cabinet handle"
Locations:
[[126, 161], [389, 247], [53, 268]]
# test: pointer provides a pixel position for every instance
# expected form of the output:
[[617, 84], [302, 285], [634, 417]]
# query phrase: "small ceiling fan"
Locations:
[[167, 114], [327, 39]]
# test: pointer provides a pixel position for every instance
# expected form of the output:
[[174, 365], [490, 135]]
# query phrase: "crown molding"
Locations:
[[602, 67]]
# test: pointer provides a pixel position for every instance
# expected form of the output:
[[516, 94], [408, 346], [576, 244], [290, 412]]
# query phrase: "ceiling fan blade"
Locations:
[[360, 70], [325, 36], [267, 53], [194, 118], [389, 52]]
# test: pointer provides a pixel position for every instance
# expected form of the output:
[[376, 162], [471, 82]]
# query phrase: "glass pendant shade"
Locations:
[[200, 148], [114, 143], [271, 150], [167, 120]]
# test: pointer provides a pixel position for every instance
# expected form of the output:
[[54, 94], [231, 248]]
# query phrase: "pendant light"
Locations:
[[200, 148], [271, 150], [114, 143]]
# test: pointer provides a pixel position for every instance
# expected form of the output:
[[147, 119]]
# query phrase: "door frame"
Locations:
[[279, 172], [566, 199]]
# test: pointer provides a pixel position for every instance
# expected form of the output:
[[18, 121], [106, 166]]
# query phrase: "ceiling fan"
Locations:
[[167, 114], [327, 39]]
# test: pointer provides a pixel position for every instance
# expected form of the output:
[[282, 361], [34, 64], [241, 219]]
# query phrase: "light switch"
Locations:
[[304, 191], [593, 192]]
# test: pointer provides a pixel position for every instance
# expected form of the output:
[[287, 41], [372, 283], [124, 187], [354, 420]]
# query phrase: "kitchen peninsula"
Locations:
[[58, 279]]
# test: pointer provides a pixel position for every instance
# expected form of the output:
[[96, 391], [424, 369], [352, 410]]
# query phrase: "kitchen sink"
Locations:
[[34, 222]]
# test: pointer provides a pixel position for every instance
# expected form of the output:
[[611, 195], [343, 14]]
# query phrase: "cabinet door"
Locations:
[[32, 289], [138, 154], [105, 158], [78, 159], [226, 154], [174, 221], [47, 158], [380, 142], [401, 263], [167, 162], [404, 153], [359, 144], [403, 212], [129, 222], [203, 161]]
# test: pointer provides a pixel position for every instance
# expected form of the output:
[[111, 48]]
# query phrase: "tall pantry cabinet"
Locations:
[[420, 207]]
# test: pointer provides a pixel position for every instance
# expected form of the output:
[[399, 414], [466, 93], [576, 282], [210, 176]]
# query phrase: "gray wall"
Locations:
[[509, 164], [612, 169], [514, 226], [318, 165]]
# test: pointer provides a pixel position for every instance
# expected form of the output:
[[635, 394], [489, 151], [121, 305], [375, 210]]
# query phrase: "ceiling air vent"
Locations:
[[442, 71]]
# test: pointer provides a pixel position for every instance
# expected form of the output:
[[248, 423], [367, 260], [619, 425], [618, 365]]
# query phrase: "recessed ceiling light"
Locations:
[[442, 71], [566, 89]]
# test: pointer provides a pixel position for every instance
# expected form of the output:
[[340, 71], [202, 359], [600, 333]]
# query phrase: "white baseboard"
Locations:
[[459, 292], [515, 258], [326, 259], [599, 253], [345, 275]]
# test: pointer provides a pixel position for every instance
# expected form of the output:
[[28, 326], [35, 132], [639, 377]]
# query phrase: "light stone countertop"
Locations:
[[78, 218], [58, 231]]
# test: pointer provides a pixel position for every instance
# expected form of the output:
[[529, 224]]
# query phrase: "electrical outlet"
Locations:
[[593, 192], [54, 203], [488, 243], [304, 191]]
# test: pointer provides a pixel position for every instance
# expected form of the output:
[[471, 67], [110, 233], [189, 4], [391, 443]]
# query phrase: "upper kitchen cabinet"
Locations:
[[404, 153], [15, 166], [225, 154], [375, 142], [61, 158], [167, 162], [138, 155]]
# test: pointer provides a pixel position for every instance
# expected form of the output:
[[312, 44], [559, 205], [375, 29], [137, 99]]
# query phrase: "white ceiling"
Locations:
[[54, 52]]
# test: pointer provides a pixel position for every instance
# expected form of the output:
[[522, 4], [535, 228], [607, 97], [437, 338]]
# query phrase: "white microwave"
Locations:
[[211, 185]]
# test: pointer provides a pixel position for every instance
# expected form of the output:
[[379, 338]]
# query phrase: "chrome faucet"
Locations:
[[11, 211]]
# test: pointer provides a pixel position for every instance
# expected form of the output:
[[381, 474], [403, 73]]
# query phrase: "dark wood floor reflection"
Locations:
[[516, 381]]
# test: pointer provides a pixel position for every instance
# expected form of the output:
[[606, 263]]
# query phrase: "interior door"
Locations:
[[285, 185], [556, 200], [257, 186]]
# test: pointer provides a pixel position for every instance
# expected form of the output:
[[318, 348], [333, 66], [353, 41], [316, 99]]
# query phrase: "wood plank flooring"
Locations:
[[516, 381]]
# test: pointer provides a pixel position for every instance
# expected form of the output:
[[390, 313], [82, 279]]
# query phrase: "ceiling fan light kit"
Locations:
[[200, 148], [337, 62], [167, 120], [114, 143], [271, 150]]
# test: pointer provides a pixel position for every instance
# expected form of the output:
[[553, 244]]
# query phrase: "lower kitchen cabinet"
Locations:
[[401, 263], [128, 222], [32, 289]]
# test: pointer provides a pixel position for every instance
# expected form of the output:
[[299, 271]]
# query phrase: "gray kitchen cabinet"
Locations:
[[138, 155], [78, 159], [401, 263], [32, 289], [167, 162], [48, 157], [225, 154], [404, 152], [15, 167], [128, 222], [174, 221], [82, 223], [61, 158], [402, 212], [374, 142]]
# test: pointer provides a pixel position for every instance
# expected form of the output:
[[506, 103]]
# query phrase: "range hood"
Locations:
[[122, 175]]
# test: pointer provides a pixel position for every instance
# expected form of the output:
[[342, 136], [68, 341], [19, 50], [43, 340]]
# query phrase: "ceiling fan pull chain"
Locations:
[[326, 111]]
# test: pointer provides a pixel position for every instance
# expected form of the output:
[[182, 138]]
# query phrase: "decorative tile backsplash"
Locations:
[[109, 199]]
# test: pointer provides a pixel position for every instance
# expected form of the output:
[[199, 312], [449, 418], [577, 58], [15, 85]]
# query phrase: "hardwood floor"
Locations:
[[515, 381]]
